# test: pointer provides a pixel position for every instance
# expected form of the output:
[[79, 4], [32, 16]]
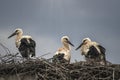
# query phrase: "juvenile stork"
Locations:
[[63, 54], [92, 50], [25, 44]]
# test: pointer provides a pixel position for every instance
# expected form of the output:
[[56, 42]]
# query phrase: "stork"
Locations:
[[92, 50], [63, 54], [25, 44]]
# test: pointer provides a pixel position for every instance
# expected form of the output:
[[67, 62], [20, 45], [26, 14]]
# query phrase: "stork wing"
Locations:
[[59, 58], [32, 43], [24, 42], [93, 53], [32, 47], [102, 49], [25, 46]]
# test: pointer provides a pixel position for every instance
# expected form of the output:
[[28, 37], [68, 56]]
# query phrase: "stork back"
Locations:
[[27, 48]]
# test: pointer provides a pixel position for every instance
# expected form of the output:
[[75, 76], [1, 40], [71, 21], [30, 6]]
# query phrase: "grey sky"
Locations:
[[48, 20]]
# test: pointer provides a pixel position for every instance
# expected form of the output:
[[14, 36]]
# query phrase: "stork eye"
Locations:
[[17, 31], [66, 39], [84, 41]]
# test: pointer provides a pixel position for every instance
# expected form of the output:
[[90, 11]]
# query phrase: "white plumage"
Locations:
[[92, 50], [25, 44], [65, 49]]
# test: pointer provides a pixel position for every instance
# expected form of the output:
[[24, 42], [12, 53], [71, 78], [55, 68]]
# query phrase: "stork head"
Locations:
[[65, 40], [84, 41], [16, 32]]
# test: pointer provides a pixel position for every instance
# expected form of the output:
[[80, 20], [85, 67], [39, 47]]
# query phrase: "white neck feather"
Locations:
[[66, 46], [17, 40]]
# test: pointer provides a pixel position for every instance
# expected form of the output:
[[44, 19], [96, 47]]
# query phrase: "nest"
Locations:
[[43, 69], [46, 70]]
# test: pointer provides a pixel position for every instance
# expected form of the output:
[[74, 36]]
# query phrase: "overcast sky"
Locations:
[[48, 20]]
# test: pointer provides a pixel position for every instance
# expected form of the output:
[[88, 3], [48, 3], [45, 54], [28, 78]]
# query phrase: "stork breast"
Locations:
[[18, 43]]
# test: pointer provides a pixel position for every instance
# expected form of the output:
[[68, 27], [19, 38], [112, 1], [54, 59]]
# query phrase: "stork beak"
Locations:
[[79, 46], [12, 35], [70, 43]]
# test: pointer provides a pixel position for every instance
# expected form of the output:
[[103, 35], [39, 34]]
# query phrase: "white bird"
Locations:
[[25, 44], [92, 50], [63, 53]]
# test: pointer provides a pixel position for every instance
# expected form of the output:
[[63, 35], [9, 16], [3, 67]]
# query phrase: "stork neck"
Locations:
[[66, 46], [18, 37]]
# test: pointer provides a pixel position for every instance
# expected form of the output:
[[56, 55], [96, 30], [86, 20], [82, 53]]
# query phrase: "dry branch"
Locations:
[[43, 69]]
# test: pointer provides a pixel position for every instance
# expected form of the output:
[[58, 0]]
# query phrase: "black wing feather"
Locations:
[[102, 49], [59, 58], [103, 56], [32, 47], [23, 48], [92, 53], [27, 48]]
